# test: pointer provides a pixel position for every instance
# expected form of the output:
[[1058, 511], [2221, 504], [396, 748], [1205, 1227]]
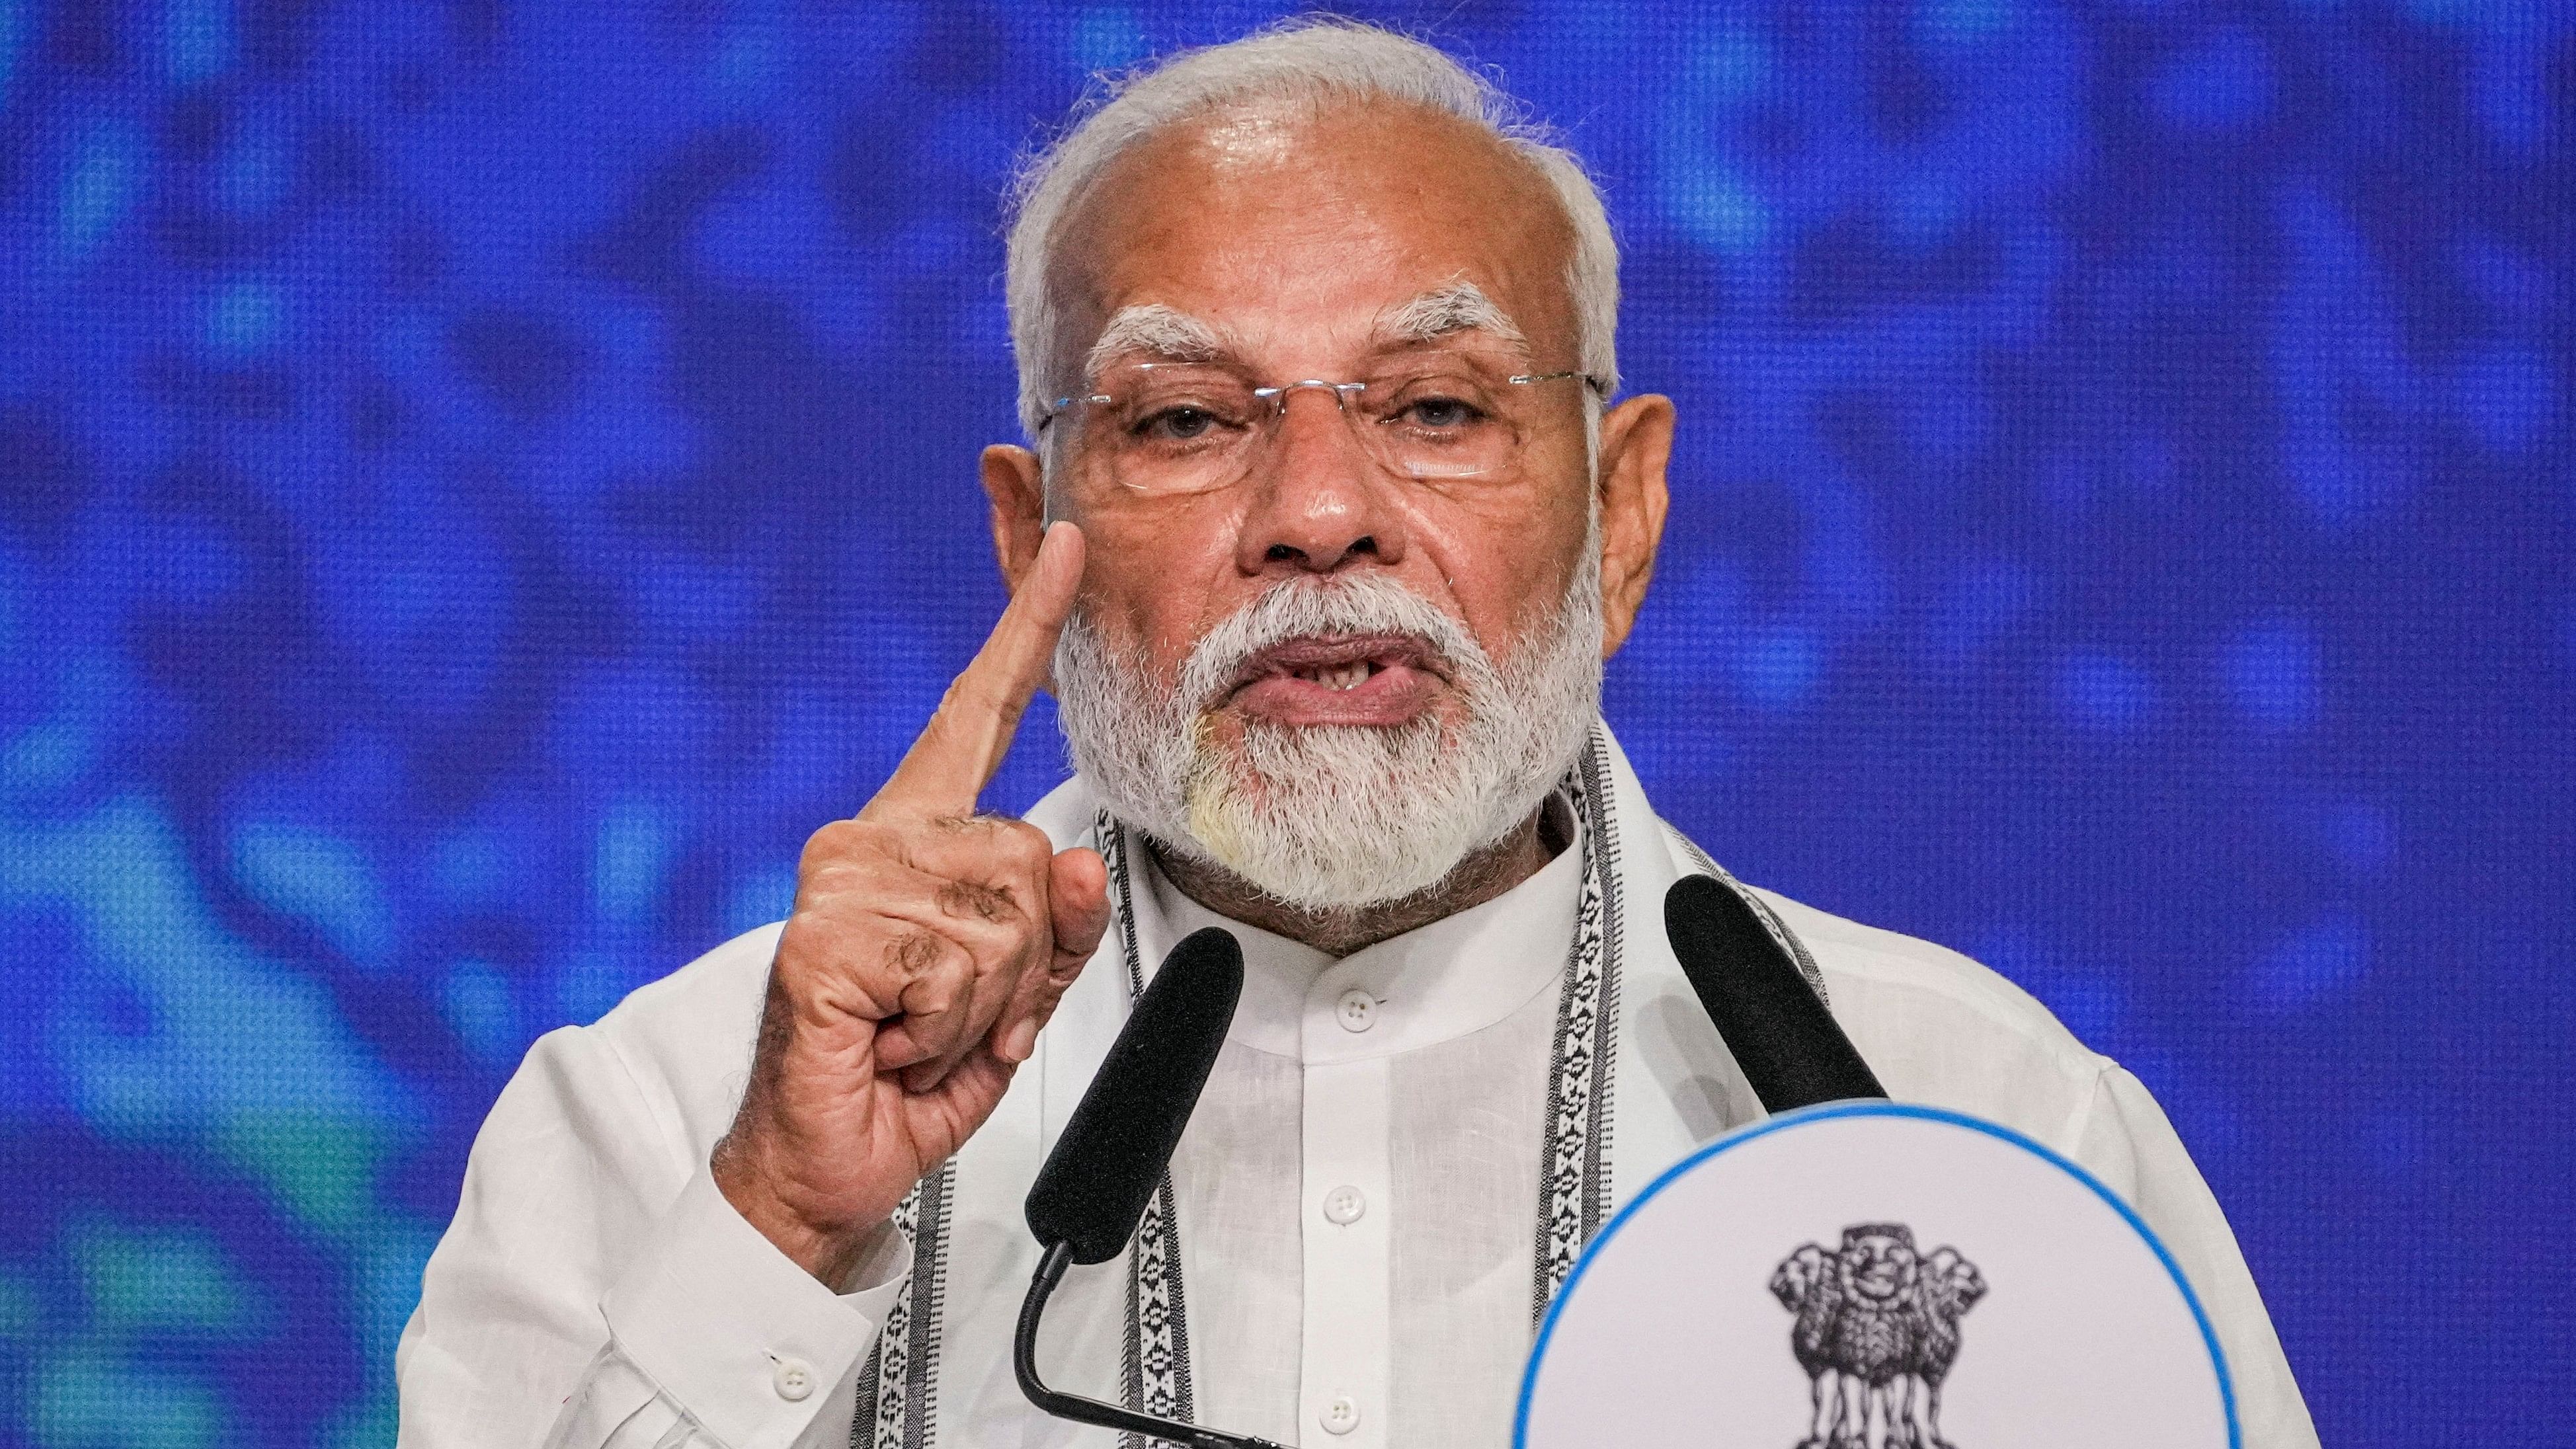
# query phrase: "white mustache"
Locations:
[[1298, 609]]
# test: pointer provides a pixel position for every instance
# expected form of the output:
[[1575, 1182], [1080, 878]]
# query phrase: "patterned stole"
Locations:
[[1154, 1360], [897, 1390], [1574, 1173]]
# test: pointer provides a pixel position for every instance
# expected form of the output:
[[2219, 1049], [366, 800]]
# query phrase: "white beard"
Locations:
[[1337, 817]]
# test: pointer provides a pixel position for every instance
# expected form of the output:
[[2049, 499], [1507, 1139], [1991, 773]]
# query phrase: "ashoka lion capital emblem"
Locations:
[[1877, 1330]]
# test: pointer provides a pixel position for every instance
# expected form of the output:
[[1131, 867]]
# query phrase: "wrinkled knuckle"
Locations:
[[831, 887], [974, 900], [850, 843], [913, 954]]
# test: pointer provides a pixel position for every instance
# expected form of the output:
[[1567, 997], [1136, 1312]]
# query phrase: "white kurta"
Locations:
[[1357, 1195]]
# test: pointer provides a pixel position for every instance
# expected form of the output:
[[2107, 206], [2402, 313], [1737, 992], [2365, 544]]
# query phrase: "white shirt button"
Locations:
[[1357, 1010], [793, 1378], [1344, 1205], [1340, 1416]]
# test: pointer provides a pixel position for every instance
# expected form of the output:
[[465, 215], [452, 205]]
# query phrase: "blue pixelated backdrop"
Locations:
[[480, 480]]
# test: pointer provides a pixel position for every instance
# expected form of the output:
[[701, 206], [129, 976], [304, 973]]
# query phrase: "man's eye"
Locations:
[[1176, 424], [1441, 413]]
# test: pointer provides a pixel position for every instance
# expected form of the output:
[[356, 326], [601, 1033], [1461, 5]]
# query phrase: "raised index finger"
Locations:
[[958, 751]]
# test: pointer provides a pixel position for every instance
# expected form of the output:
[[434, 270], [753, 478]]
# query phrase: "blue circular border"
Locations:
[[1547, 1326]]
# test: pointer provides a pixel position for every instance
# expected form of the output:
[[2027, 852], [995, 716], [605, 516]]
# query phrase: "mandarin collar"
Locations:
[[1435, 983]]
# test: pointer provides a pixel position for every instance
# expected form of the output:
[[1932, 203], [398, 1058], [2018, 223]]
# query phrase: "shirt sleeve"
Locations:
[[595, 1289], [2126, 1140]]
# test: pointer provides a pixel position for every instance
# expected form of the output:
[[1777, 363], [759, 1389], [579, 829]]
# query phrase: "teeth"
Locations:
[[1340, 676]]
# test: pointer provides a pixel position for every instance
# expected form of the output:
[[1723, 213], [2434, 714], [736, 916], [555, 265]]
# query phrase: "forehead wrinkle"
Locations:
[[1157, 330], [1461, 306]]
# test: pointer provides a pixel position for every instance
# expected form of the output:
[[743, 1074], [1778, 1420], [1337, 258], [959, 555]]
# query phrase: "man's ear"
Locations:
[[1636, 446], [1016, 484]]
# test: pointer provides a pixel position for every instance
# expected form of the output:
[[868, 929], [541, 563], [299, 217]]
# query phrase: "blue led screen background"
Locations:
[[479, 481]]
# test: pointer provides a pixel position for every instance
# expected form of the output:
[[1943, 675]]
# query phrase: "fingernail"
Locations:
[[1019, 1041]]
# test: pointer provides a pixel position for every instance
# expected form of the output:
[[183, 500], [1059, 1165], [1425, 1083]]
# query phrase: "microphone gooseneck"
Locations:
[[1115, 1150], [1024, 1365], [1792, 1052]]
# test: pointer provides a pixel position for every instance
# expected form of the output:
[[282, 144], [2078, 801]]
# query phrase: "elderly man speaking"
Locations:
[[1330, 514]]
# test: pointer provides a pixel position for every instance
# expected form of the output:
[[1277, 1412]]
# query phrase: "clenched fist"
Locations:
[[927, 947]]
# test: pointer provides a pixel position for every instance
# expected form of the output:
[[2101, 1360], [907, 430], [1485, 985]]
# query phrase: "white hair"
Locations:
[[1307, 59]]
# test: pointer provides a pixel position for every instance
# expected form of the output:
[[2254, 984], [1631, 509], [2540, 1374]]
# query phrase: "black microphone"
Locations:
[[1093, 1189], [1770, 1018]]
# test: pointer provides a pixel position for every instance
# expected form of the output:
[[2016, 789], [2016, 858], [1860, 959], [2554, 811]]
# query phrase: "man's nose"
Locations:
[[1319, 501]]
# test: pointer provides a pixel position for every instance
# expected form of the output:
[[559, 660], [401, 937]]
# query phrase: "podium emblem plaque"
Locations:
[[1872, 1275]]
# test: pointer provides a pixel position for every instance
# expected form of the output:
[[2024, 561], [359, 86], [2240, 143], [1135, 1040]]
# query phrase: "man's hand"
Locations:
[[927, 947]]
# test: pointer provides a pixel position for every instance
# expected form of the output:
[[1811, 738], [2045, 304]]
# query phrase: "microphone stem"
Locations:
[[1024, 1365], [1024, 1343]]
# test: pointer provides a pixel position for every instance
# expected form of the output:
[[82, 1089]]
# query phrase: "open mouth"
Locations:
[[1333, 663], [1363, 679]]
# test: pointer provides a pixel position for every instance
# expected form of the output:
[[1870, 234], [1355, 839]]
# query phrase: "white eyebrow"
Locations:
[[1157, 330], [1169, 333], [1462, 306]]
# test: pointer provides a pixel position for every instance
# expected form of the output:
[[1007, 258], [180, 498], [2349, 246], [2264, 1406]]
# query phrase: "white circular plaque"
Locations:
[[1874, 1274]]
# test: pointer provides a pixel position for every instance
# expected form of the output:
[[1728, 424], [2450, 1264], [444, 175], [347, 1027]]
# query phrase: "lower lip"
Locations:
[[1393, 695]]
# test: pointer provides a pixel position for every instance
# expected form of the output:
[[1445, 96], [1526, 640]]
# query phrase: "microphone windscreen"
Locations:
[[1094, 1186], [1792, 1052]]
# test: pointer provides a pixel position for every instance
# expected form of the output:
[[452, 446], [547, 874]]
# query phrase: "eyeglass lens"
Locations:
[[1167, 427]]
